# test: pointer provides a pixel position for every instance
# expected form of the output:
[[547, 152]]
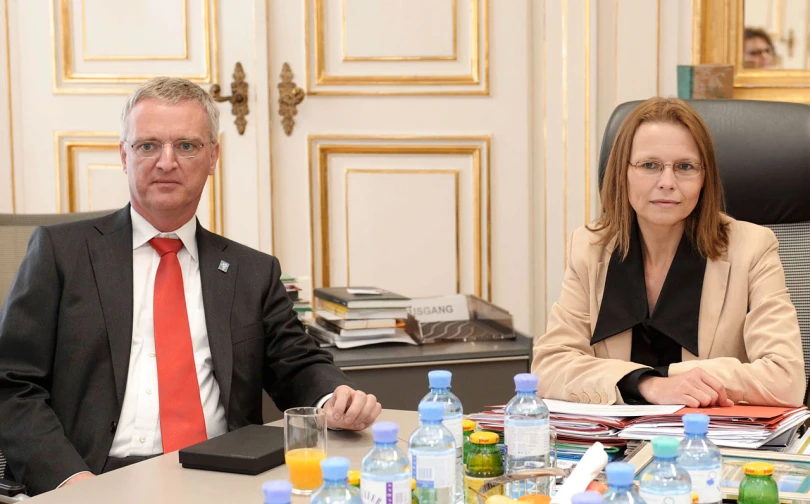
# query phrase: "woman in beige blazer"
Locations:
[[666, 299]]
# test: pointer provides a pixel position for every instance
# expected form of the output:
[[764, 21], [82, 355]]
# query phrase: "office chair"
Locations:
[[763, 154], [15, 230]]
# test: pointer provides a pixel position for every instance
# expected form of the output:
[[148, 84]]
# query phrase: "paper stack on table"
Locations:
[[739, 426]]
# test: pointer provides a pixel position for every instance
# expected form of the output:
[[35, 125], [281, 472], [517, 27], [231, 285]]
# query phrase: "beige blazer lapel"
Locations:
[[712, 297]]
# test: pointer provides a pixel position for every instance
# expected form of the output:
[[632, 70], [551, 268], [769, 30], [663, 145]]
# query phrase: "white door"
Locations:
[[408, 164], [68, 66]]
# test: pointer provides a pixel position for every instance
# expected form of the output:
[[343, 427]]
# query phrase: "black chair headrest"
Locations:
[[763, 154]]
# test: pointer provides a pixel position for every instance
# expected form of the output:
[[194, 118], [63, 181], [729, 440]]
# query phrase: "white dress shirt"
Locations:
[[138, 431]]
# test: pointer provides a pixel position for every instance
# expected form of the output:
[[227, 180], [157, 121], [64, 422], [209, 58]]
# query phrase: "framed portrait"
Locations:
[[791, 471]]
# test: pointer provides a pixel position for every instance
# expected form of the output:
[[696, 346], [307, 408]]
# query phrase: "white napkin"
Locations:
[[592, 463]]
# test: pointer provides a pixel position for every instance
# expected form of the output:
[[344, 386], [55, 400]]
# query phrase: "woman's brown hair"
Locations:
[[704, 226]]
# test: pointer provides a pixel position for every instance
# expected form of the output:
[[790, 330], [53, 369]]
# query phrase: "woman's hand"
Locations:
[[694, 388]]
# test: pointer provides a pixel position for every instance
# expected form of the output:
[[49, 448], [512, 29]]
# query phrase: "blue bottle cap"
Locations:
[[440, 379], [665, 446], [277, 492], [431, 411], [525, 382], [335, 468], [696, 423], [620, 474], [586, 498], [385, 432]]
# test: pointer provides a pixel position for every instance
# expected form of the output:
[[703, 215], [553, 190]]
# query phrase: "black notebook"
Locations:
[[250, 450]]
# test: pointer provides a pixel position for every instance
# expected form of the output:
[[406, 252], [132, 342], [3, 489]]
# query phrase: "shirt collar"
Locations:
[[676, 314], [143, 231]]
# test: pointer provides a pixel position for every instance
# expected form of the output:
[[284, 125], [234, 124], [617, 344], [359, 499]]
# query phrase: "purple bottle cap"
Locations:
[[696, 423], [620, 474], [525, 382], [385, 432], [586, 498], [335, 468], [440, 379], [277, 492], [431, 411]]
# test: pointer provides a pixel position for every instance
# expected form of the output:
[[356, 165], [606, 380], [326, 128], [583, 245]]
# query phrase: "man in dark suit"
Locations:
[[140, 332]]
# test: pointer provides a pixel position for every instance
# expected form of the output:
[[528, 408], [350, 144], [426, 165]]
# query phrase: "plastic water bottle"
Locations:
[[664, 481], [701, 458], [620, 484], [586, 498], [385, 474], [277, 492], [453, 418], [336, 488], [526, 436], [433, 457]]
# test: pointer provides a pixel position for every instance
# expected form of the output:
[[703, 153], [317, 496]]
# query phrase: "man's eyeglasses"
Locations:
[[182, 148], [681, 169], [755, 53]]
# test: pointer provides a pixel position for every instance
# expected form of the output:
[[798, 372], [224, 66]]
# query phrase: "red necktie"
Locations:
[[182, 422]]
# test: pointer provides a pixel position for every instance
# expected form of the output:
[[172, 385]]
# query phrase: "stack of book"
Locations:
[[301, 305], [348, 317]]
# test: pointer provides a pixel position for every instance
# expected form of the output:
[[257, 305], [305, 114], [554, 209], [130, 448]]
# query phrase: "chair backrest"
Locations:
[[15, 230], [763, 155]]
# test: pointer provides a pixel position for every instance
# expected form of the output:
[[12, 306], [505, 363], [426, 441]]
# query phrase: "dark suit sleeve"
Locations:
[[297, 372], [628, 386], [31, 436]]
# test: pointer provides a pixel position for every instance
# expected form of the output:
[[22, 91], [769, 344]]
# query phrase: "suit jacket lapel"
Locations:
[[111, 258], [712, 297], [218, 291]]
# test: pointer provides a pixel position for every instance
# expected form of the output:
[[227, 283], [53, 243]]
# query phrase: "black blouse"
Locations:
[[673, 324]]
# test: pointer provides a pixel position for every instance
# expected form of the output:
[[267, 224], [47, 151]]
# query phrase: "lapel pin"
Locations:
[[223, 266]]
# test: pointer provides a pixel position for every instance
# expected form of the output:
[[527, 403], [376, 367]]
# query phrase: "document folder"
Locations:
[[250, 450]]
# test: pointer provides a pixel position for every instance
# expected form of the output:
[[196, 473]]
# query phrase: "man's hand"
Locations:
[[78, 477], [351, 409], [694, 388]]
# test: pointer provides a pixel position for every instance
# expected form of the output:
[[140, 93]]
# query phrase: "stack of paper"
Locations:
[[580, 425], [738, 426]]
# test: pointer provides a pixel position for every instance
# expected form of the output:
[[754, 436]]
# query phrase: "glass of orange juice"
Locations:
[[304, 447]]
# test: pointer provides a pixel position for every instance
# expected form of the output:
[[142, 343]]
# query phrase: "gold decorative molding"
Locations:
[[238, 98], [717, 29], [404, 84], [62, 61], [289, 97], [10, 110], [127, 57], [71, 149], [450, 57], [406, 171], [322, 146]]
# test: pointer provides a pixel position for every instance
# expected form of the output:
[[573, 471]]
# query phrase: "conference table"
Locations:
[[163, 480]]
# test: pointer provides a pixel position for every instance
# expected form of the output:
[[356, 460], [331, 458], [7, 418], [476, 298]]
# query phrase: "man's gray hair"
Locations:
[[172, 90]]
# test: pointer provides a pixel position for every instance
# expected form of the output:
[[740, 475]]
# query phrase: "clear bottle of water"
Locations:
[[526, 436], [620, 484], [277, 492], [433, 457], [336, 488], [586, 498], [453, 418], [701, 458], [664, 481], [385, 474]]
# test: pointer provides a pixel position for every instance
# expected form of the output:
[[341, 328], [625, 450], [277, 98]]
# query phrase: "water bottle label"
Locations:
[[706, 484], [386, 492], [526, 440], [454, 425], [434, 471], [476, 484], [666, 499]]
